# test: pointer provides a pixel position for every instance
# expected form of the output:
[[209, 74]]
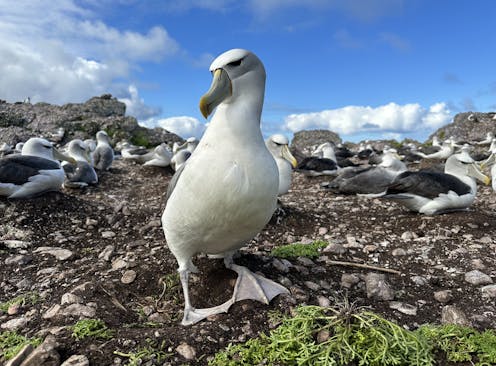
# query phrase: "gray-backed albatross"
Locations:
[[226, 191]]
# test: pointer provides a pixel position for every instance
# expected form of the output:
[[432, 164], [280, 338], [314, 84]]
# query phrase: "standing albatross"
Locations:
[[227, 190]]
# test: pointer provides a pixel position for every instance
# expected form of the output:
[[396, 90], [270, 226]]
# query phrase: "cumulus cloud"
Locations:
[[136, 107], [68, 54], [183, 126], [392, 118]]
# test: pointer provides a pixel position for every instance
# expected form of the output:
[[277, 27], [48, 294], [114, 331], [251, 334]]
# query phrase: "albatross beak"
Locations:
[[286, 154], [59, 156], [220, 89], [473, 171]]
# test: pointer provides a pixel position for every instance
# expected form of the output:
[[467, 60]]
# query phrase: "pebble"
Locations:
[[107, 253], [348, 280], [13, 309], [186, 351], [44, 355], [323, 336], [59, 253], [51, 312], [281, 265], [128, 276], [14, 324], [119, 263], [19, 260], [477, 277], [335, 248], [377, 287], [452, 315], [312, 285], [443, 296], [403, 308], [16, 244], [76, 360], [323, 301], [398, 252], [70, 298], [79, 310], [489, 291], [108, 234]]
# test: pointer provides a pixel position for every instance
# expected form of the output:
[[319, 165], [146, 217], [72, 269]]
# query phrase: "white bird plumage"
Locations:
[[278, 147], [227, 191]]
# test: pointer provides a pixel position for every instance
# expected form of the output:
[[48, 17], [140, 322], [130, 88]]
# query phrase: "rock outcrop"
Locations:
[[303, 140], [19, 121], [468, 126]]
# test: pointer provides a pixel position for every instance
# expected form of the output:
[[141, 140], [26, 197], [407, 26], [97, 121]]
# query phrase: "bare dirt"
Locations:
[[431, 253]]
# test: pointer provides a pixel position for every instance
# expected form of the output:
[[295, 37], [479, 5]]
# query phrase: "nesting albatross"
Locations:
[[278, 147], [227, 190], [33, 172]]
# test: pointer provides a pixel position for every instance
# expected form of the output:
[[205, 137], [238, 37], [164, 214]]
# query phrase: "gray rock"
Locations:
[[59, 253], [477, 277], [489, 291], [335, 248], [20, 356], [44, 355], [20, 260], [443, 296], [70, 298], [52, 312], [348, 280], [452, 315], [119, 263], [107, 234], [79, 311], [403, 308], [128, 276], [186, 351], [377, 287], [107, 253], [14, 324], [76, 360]]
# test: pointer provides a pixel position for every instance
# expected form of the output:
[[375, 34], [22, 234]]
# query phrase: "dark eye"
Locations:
[[235, 63], [278, 144]]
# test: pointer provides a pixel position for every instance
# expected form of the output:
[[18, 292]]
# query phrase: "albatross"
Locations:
[[103, 156], [278, 147], [80, 174], [33, 172], [227, 190], [433, 193]]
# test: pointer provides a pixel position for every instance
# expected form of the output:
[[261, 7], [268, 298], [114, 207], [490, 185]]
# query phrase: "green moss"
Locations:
[[461, 343], [11, 343], [29, 298], [347, 335], [91, 328], [295, 250], [327, 336], [140, 139], [151, 352]]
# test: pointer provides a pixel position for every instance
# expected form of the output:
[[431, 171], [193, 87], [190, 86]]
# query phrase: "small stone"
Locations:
[[108, 234], [13, 309], [19, 260], [323, 336], [186, 351], [477, 277], [128, 276], [485, 240], [443, 296], [369, 248], [20, 356], [107, 253], [281, 265], [335, 248], [398, 252], [312, 285], [323, 301], [377, 287], [14, 324], [59, 253], [419, 280], [76, 360], [70, 298], [323, 231], [16, 244], [44, 355], [305, 261], [348, 280], [157, 318], [408, 235], [52, 312], [478, 264], [403, 308], [452, 315], [489, 291], [79, 310], [91, 222], [119, 263]]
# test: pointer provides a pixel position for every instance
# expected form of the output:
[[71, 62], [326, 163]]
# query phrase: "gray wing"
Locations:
[[173, 181], [103, 157], [84, 172], [17, 169]]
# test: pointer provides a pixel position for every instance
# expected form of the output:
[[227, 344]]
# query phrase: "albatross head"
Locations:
[[78, 150], [235, 72], [278, 147], [462, 164], [42, 148]]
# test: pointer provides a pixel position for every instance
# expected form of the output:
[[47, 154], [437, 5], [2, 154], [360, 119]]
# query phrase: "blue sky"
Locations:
[[365, 69]]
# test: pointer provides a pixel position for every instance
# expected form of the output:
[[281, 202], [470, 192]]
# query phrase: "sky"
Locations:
[[365, 69]]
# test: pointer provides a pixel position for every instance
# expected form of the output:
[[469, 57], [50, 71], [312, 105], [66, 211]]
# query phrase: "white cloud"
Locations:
[[68, 54], [391, 118], [136, 107], [183, 126]]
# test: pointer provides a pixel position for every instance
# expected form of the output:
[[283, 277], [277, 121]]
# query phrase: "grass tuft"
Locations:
[[30, 298], [11, 343], [295, 250], [94, 328]]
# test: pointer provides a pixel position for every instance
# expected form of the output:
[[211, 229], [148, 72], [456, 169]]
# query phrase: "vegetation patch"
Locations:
[[29, 298], [11, 343], [94, 328], [346, 335], [152, 353], [295, 250]]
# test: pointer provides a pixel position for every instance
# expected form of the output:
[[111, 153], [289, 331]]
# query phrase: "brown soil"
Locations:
[[129, 201]]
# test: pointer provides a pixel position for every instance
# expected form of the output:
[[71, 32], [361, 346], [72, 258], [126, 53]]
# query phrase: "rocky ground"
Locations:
[[100, 253]]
